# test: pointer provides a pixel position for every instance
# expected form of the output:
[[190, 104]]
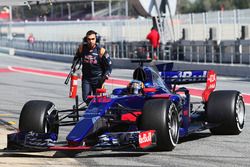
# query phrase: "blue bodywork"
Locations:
[[96, 111], [161, 80], [103, 116]]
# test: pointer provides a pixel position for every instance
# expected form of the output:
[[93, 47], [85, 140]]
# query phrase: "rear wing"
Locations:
[[193, 76], [184, 77]]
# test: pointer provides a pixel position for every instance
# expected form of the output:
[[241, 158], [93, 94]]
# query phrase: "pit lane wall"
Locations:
[[124, 63]]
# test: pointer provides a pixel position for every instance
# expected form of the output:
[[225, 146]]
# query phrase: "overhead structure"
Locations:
[[109, 10], [155, 7], [22, 2], [30, 2], [158, 10]]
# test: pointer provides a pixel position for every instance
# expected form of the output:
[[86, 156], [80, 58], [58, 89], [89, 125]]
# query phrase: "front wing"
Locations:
[[30, 141]]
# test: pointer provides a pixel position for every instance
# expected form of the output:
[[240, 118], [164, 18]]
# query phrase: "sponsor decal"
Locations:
[[210, 85], [146, 138], [211, 80], [90, 59], [185, 76]]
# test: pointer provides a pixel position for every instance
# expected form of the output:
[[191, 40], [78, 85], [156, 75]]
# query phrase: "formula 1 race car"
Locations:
[[151, 113]]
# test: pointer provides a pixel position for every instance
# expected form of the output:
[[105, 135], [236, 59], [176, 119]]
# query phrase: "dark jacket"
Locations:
[[95, 64]]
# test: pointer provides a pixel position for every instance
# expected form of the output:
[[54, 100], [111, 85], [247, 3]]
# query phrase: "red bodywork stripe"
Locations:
[[162, 96], [58, 148], [130, 117]]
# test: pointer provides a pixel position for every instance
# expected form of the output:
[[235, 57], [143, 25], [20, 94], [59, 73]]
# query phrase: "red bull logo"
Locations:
[[147, 139]]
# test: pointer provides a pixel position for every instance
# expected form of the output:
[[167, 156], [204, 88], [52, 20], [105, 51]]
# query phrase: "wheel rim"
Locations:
[[240, 113], [173, 125], [47, 121], [46, 126]]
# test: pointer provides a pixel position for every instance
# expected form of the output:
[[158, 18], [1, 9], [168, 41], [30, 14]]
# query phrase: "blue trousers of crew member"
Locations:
[[89, 87]]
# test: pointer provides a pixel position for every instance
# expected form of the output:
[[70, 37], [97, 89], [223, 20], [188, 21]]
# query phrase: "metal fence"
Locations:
[[226, 52], [110, 30], [234, 52], [217, 25]]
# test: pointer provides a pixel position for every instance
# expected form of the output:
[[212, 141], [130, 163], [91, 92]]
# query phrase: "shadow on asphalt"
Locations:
[[194, 136], [22, 155], [98, 154], [60, 154]]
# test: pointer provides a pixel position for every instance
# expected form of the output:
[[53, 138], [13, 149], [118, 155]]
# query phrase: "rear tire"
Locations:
[[161, 115], [39, 116], [227, 109]]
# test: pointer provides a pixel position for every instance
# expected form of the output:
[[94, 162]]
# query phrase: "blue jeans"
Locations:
[[89, 87]]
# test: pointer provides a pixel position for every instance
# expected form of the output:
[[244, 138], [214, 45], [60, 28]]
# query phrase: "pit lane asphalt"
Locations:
[[200, 149]]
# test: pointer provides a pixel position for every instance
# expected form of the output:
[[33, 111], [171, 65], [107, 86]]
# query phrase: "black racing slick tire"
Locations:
[[227, 109], [161, 115], [39, 116]]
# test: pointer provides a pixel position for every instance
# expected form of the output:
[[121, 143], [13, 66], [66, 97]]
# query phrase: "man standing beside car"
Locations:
[[96, 64]]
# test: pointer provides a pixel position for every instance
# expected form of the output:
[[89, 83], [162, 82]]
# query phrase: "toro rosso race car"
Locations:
[[152, 113]]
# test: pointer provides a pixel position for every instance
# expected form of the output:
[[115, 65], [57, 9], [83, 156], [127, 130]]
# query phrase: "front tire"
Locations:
[[161, 115], [227, 109], [39, 116]]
